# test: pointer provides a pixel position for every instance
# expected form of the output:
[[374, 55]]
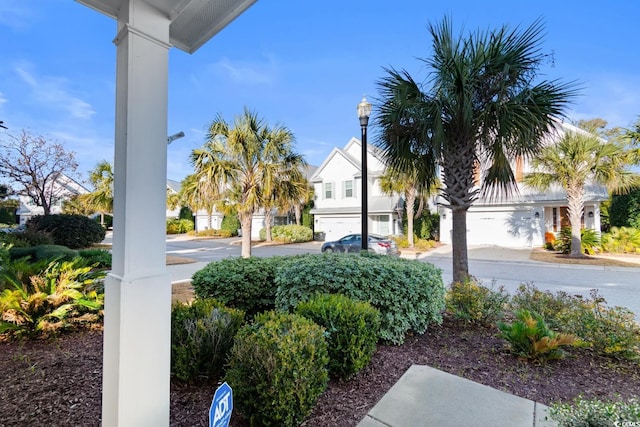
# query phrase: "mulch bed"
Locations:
[[58, 382]]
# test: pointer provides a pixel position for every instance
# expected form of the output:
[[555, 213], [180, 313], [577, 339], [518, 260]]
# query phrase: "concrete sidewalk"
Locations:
[[425, 397]]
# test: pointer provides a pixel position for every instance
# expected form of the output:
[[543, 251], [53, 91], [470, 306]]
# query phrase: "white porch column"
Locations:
[[138, 290]]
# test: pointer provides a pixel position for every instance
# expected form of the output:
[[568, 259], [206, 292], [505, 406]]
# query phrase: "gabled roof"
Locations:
[[335, 152], [351, 159]]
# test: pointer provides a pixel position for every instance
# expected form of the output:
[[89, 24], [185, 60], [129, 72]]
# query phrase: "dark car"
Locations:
[[353, 243]]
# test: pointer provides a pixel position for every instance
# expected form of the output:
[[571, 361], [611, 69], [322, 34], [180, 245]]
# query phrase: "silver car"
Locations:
[[353, 243]]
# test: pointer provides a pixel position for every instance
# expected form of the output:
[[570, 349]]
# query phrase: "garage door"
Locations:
[[501, 228], [335, 228]]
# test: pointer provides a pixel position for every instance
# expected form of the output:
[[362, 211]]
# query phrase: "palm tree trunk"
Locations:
[[298, 213], [410, 201], [210, 219], [460, 260], [575, 204], [268, 215], [245, 224]]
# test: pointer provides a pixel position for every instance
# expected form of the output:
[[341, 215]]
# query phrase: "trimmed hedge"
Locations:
[[243, 283], [42, 252], [72, 231], [409, 294], [278, 369], [288, 233], [352, 329]]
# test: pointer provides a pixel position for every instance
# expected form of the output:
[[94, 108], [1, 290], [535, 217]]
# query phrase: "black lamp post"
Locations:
[[364, 110]]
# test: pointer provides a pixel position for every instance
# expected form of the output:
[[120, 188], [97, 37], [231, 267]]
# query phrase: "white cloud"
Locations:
[[248, 72], [3, 100], [52, 93], [14, 14]]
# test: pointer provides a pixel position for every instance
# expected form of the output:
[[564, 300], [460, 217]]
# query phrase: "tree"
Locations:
[[246, 160], [287, 189], [413, 190], [101, 198], [32, 164], [577, 159], [201, 192], [481, 110]]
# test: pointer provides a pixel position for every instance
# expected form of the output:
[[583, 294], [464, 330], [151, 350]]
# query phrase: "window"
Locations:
[[328, 190], [348, 189]]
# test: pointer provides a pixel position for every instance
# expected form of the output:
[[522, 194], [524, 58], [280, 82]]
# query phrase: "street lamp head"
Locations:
[[364, 111]]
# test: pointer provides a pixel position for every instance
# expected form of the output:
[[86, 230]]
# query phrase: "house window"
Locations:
[[348, 189], [328, 190], [555, 219]]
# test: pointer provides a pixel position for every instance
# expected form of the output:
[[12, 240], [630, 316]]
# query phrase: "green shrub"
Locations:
[[63, 296], [409, 294], [352, 329], [475, 303], [611, 331], [72, 231], [288, 233], [201, 336], [43, 252], [179, 226], [595, 413], [243, 283], [27, 238], [230, 223], [530, 338], [99, 258], [211, 232], [549, 305], [621, 240], [590, 241], [278, 369]]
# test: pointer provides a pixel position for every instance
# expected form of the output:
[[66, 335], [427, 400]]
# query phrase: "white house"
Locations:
[[518, 221], [338, 188], [62, 189], [523, 219]]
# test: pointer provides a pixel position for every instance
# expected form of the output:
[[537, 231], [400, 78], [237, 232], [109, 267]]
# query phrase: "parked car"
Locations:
[[353, 243]]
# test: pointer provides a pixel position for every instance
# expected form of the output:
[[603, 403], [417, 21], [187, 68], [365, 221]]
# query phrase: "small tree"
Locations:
[[32, 164], [577, 159]]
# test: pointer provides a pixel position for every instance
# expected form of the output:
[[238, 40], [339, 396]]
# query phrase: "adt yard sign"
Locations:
[[221, 407]]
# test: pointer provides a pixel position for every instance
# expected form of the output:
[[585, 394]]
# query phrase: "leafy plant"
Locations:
[[201, 336], [590, 241], [352, 329], [475, 303], [98, 258], [595, 413], [611, 331], [530, 338], [621, 240], [63, 296], [243, 283], [409, 294], [549, 305], [278, 369]]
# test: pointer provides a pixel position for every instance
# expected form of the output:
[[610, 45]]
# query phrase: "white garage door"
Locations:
[[501, 228], [335, 228]]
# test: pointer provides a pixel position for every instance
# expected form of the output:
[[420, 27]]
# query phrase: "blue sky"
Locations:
[[302, 64]]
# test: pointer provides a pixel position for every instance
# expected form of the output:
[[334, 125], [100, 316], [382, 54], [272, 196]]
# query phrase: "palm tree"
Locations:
[[246, 160], [482, 108], [101, 198], [394, 182], [286, 190], [201, 192], [577, 159]]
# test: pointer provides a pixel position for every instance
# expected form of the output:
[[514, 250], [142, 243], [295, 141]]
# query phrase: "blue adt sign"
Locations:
[[221, 407]]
